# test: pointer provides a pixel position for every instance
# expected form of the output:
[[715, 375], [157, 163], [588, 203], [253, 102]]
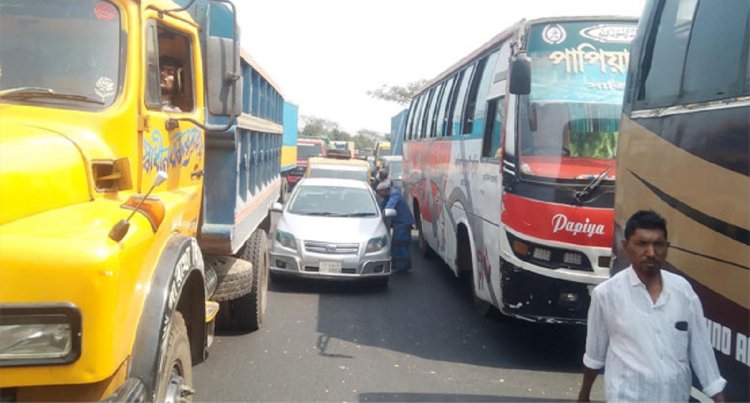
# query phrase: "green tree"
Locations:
[[364, 140], [317, 127], [396, 93]]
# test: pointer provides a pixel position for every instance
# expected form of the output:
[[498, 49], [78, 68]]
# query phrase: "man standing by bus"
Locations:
[[646, 326], [401, 222]]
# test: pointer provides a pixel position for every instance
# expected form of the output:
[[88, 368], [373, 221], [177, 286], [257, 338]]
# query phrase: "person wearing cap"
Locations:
[[401, 223], [380, 177]]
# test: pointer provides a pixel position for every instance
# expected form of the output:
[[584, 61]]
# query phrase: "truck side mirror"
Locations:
[[223, 77], [520, 74]]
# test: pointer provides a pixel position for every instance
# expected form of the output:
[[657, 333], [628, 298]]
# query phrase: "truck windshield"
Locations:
[[568, 124], [62, 52], [305, 151]]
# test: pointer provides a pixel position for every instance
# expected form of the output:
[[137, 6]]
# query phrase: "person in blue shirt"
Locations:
[[401, 223]]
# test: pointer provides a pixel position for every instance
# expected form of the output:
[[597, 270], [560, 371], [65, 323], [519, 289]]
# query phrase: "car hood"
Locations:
[[331, 229]]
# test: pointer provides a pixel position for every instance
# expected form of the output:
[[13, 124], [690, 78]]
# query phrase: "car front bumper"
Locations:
[[307, 264]]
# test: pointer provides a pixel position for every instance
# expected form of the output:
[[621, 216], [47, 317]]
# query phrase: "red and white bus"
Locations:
[[509, 164]]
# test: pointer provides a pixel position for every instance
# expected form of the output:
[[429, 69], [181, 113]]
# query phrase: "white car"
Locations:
[[333, 229]]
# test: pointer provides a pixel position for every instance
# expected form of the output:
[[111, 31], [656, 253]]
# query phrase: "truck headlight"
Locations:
[[39, 334], [286, 240], [376, 244]]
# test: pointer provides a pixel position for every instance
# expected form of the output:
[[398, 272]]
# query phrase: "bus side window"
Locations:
[[434, 107], [493, 127], [458, 105], [442, 120], [471, 98], [409, 132]]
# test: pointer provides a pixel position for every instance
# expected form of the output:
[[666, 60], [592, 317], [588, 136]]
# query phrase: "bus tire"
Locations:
[[424, 248], [249, 311], [176, 381]]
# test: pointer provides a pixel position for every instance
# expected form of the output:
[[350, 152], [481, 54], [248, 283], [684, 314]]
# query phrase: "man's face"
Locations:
[[647, 250], [167, 77]]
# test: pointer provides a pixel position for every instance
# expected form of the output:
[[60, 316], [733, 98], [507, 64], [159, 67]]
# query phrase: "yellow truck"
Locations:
[[139, 157]]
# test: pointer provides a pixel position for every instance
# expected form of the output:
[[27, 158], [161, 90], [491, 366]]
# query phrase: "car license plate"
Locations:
[[330, 267]]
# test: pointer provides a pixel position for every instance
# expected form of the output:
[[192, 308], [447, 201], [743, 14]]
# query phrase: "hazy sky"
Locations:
[[326, 54]]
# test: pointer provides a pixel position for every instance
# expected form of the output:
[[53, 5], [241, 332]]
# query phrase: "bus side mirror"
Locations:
[[520, 74]]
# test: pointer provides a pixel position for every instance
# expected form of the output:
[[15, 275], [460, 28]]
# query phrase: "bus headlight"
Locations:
[[39, 335]]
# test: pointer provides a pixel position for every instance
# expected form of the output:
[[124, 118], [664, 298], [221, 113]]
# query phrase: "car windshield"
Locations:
[[334, 201], [338, 172], [63, 52], [305, 151]]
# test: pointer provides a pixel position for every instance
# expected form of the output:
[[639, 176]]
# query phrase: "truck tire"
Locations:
[[176, 381], [233, 279], [249, 311]]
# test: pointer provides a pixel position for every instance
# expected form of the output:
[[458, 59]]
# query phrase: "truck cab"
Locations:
[[111, 283]]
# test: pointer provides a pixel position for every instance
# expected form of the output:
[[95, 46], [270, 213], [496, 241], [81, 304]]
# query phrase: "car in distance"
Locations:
[[306, 148], [341, 168], [331, 229]]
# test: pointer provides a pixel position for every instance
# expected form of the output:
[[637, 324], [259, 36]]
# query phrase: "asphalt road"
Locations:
[[419, 340]]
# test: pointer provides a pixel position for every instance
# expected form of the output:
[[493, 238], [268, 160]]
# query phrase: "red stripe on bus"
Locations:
[[559, 222]]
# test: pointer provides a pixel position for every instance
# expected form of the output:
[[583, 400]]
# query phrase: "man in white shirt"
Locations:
[[646, 326]]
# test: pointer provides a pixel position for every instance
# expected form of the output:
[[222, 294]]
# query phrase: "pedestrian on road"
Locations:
[[646, 326], [381, 176], [401, 225]]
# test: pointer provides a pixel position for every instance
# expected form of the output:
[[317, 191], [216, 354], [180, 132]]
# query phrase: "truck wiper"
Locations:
[[41, 92], [583, 194]]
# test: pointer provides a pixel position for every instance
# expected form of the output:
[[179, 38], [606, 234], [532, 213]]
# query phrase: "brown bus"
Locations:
[[683, 151]]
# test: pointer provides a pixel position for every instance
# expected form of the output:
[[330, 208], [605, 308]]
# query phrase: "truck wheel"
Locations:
[[176, 382], [249, 310], [233, 277]]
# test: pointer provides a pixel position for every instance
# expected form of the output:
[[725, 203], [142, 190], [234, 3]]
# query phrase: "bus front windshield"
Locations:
[[61, 53], [568, 124]]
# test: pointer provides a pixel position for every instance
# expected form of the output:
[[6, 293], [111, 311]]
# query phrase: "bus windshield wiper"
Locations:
[[41, 92], [583, 194]]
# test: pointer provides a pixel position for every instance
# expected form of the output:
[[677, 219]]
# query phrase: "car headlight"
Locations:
[[376, 244], [286, 240], [39, 334]]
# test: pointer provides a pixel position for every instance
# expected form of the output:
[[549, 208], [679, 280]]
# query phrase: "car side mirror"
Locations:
[[389, 212], [277, 207]]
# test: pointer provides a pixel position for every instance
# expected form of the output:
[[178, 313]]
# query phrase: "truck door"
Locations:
[[172, 72]]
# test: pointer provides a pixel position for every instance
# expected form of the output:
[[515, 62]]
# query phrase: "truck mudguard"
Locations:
[[180, 271]]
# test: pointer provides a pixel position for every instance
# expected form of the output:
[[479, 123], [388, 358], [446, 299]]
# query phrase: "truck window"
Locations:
[[169, 75]]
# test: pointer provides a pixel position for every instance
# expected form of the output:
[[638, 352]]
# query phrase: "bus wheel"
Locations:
[[175, 384], [424, 248], [482, 307]]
